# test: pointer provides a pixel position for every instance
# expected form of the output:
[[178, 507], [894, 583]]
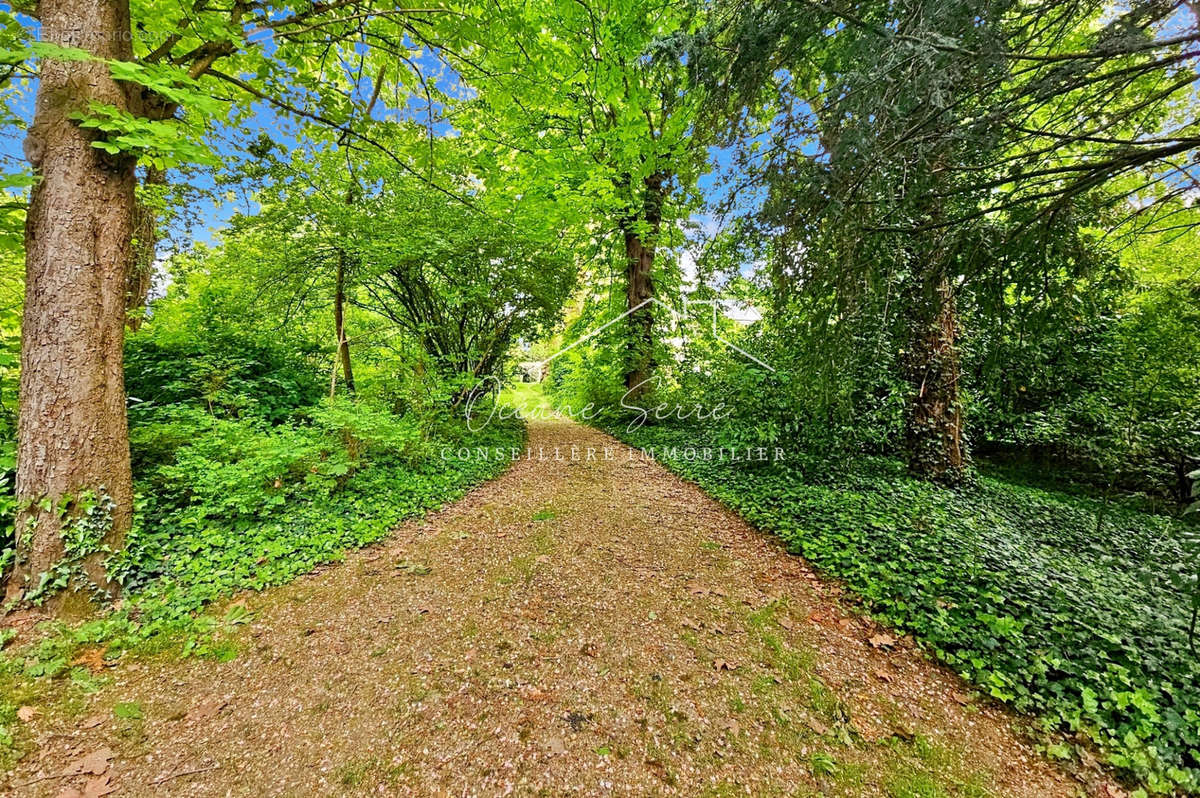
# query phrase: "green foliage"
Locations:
[[1097, 373], [156, 143], [237, 504], [1010, 585], [231, 377]]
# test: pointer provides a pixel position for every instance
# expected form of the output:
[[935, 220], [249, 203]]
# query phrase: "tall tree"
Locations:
[[602, 90], [72, 432], [861, 195], [111, 92]]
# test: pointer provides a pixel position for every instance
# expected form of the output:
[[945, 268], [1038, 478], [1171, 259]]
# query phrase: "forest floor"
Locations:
[[577, 626]]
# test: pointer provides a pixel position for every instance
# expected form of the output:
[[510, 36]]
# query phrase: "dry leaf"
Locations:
[[1110, 790], [817, 726], [904, 731], [69, 792], [532, 693], [691, 623], [556, 745], [91, 722], [960, 698], [542, 558], [93, 658], [724, 665], [589, 650], [27, 714], [95, 763], [98, 786], [732, 727], [786, 622], [696, 589], [883, 675], [206, 709], [865, 730], [882, 640]]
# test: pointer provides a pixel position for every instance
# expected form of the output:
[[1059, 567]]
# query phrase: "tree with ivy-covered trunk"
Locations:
[[72, 431]]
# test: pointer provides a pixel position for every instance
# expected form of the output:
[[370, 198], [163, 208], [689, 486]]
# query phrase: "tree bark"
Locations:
[[639, 284], [72, 434], [934, 424], [339, 321], [145, 247]]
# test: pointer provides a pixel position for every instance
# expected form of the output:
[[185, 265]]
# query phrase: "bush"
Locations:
[[237, 503], [231, 377]]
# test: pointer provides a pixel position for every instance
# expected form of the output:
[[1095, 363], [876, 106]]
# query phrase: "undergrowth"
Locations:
[[1066, 606], [228, 504]]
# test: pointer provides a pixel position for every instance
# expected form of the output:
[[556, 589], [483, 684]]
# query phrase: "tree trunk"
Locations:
[[72, 434], [145, 247], [639, 285], [933, 428], [339, 321]]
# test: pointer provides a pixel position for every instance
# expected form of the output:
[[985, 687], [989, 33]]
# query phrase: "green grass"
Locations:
[[1009, 583], [528, 398]]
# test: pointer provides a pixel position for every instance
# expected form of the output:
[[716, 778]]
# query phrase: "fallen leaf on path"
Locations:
[[786, 622], [724, 665], [556, 745], [91, 722], [532, 693], [883, 675], [98, 786], [206, 709], [95, 763], [732, 727], [542, 558], [696, 589], [882, 640], [1110, 790], [817, 726], [692, 623], [960, 698], [864, 730], [27, 714], [904, 731], [92, 658]]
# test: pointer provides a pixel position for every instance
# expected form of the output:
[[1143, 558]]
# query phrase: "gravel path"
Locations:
[[586, 626]]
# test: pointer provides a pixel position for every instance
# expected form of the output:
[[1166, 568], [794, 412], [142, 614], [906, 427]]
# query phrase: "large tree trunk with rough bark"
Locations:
[[640, 232], [934, 423], [72, 435], [145, 247]]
